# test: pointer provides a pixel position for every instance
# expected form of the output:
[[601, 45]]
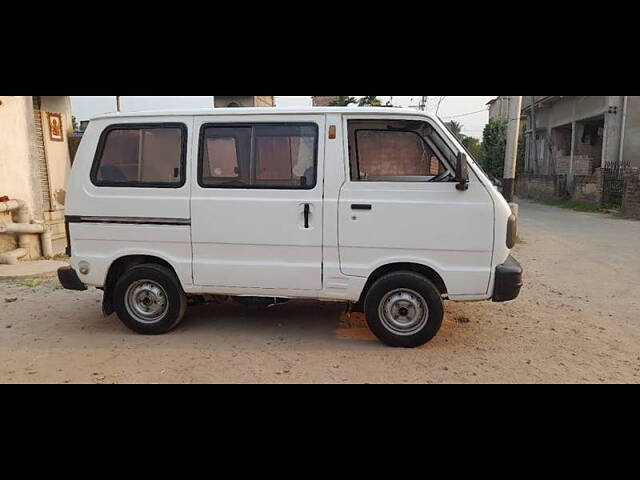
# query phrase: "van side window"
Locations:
[[392, 150], [140, 156], [225, 155], [282, 156]]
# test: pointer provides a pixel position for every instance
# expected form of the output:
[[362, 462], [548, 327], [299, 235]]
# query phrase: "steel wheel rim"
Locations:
[[403, 312], [146, 301]]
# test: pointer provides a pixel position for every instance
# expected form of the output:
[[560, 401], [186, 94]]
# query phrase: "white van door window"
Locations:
[[222, 158], [285, 156], [384, 154], [395, 151], [259, 156]]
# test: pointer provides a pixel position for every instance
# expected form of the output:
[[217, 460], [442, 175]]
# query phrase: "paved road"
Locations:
[[577, 320]]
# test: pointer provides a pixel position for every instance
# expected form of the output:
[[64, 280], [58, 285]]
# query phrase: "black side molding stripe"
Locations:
[[129, 220]]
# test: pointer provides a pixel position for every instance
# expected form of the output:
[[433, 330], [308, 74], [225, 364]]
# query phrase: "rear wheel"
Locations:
[[404, 309], [148, 299]]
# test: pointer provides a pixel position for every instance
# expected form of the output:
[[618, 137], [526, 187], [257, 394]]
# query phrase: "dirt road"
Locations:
[[577, 320]]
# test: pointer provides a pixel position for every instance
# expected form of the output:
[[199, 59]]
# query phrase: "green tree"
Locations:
[[343, 101], [494, 143], [473, 145], [372, 101], [456, 129]]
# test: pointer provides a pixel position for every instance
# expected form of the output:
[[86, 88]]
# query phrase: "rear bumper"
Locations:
[[508, 280], [69, 279]]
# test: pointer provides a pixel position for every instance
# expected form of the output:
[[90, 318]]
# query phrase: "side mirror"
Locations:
[[462, 172]]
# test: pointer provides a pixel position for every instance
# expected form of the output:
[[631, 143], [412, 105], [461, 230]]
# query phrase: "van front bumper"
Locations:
[[69, 279], [508, 280]]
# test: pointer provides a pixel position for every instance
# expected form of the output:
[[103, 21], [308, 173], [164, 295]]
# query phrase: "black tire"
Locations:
[[157, 275], [394, 284]]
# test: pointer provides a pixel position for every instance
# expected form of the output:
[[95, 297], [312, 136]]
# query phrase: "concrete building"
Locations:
[[578, 146], [499, 108], [587, 129], [34, 161], [228, 101], [323, 101]]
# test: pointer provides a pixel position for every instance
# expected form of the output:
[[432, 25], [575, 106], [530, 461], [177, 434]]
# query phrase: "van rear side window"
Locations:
[[141, 156]]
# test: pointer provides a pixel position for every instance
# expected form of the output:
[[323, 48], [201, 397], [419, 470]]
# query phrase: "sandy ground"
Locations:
[[577, 320]]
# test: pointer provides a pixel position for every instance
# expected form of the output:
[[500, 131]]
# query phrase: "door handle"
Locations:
[[361, 206], [307, 209]]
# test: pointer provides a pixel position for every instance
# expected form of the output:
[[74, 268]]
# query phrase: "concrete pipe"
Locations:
[[21, 228], [11, 205], [46, 243], [11, 258]]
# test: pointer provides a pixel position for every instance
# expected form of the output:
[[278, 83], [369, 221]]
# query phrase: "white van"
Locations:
[[374, 206]]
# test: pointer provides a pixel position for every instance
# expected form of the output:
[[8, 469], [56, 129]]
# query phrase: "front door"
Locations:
[[256, 207], [400, 205]]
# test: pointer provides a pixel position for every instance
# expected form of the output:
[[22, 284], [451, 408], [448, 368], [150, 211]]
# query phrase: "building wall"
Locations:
[[631, 142], [58, 157], [265, 102], [631, 195], [323, 101], [17, 177], [565, 111], [499, 109], [19, 165]]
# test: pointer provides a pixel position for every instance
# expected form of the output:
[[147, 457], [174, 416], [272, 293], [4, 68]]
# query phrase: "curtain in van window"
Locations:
[[285, 155], [389, 153], [263, 156], [141, 156], [159, 155], [222, 156]]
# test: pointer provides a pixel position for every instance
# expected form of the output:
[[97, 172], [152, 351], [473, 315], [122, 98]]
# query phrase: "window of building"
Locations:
[[395, 150], [259, 156], [141, 156]]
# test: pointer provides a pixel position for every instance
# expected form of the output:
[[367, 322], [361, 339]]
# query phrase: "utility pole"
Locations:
[[117, 104], [511, 154], [423, 103], [534, 144]]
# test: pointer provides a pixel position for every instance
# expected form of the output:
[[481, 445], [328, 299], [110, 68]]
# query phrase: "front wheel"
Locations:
[[404, 309], [148, 299]]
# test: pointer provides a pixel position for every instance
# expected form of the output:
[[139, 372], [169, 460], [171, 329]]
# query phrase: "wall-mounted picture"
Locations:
[[55, 127]]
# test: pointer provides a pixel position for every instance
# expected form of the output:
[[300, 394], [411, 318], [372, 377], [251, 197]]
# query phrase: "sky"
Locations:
[[448, 108]]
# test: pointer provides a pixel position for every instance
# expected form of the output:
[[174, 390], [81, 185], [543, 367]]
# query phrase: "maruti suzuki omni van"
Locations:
[[380, 207]]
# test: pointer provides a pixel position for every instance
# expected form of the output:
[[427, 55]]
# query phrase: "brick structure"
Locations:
[[588, 188], [631, 195], [581, 188], [541, 187], [582, 165], [323, 101]]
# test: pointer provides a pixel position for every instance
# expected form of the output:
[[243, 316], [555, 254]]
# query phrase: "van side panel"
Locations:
[[107, 222], [102, 244]]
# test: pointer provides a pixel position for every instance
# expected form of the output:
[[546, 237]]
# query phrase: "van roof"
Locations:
[[265, 111]]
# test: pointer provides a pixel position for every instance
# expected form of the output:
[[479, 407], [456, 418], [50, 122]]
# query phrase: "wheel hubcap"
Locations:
[[146, 301], [403, 312]]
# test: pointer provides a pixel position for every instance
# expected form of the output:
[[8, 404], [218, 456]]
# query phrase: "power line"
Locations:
[[465, 114]]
